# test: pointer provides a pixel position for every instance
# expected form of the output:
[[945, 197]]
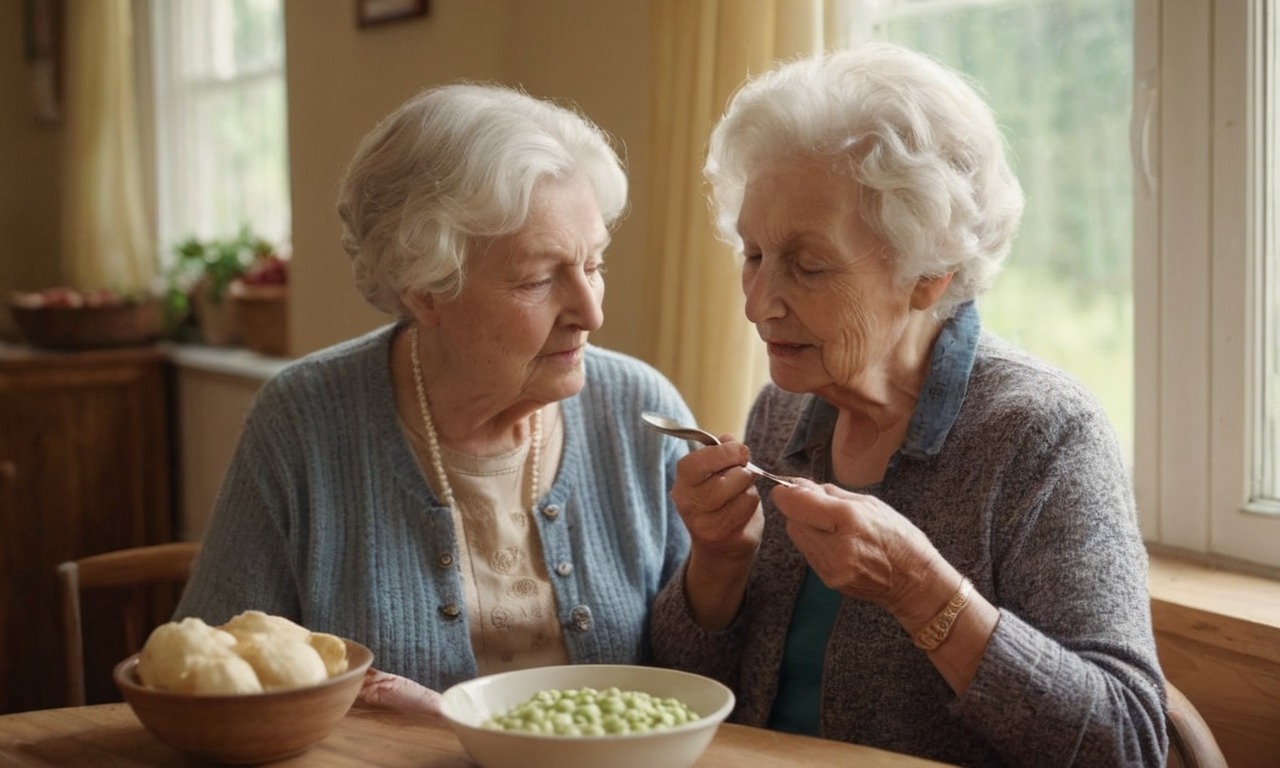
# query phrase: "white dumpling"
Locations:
[[283, 663], [245, 625], [173, 648], [223, 674], [332, 650]]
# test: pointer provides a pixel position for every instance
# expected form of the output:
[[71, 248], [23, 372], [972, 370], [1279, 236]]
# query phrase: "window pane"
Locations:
[[221, 120], [1058, 74]]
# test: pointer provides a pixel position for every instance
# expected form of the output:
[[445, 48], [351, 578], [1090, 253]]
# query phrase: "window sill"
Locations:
[[232, 361], [1233, 612]]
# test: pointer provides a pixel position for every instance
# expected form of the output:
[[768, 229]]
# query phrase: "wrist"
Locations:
[[714, 588], [716, 566], [924, 592], [938, 629]]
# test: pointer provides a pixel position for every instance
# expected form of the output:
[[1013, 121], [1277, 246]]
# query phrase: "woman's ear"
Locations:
[[929, 289], [422, 305]]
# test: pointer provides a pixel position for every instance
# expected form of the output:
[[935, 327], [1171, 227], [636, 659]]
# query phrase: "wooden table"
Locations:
[[109, 735]]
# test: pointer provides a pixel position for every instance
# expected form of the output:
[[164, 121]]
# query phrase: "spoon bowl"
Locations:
[[676, 429], [698, 435]]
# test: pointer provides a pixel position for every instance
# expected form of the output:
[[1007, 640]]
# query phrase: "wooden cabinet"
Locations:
[[85, 467]]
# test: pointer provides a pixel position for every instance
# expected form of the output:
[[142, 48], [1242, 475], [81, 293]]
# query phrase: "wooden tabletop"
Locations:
[[110, 735]]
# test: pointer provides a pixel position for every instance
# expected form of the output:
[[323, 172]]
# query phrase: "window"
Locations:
[[1146, 139], [1204, 261], [1268, 446], [222, 160], [1059, 77]]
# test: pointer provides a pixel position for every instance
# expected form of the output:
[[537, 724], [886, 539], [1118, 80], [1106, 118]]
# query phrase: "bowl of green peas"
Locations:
[[587, 716]]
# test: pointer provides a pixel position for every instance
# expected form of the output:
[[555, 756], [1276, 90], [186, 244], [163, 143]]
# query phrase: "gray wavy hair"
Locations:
[[451, 165], [920, 140]]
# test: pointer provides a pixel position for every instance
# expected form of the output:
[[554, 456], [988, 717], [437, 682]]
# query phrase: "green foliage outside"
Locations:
[[1058, 74]]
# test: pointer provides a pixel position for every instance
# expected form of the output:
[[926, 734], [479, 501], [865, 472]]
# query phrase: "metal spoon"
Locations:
[[694, 434]]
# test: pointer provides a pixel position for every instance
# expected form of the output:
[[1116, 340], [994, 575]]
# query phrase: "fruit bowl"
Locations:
[[467, 706], [248, 728], [69, 320]]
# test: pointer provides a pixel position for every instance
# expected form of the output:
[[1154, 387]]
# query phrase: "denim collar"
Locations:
[[937, 406]]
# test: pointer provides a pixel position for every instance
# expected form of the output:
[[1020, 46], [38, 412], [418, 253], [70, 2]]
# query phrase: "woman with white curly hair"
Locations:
[[958, 573], [456, 490]]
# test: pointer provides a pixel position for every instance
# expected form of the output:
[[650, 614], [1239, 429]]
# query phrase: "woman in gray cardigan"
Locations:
[[457, 490], [958, 574]]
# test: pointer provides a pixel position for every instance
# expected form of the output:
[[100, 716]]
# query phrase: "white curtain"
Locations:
[[105, 233], [703, 50]]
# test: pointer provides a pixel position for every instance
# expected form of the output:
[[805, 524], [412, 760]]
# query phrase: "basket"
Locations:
[[218, 321], [263, 314], [124, 325]]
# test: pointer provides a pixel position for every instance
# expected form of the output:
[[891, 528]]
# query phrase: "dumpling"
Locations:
[[332, 650], [174, 648], [283, 663]]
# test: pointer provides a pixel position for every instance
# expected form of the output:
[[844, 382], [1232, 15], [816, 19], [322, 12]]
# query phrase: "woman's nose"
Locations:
[[759, 289], [584, 304]]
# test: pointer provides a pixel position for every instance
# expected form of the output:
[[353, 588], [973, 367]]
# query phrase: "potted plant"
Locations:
[[201, 277]]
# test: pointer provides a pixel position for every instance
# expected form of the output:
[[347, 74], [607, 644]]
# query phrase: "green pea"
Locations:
[[589, 712]]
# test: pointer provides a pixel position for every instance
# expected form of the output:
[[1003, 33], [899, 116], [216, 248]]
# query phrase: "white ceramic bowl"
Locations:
[[467, 705]]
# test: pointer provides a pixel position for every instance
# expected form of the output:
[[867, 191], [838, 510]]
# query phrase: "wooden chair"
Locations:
[[124, 568], [1191, 743]]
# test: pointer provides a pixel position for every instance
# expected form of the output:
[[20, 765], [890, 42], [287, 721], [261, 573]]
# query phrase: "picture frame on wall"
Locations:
[[375, 12], [42, 26]]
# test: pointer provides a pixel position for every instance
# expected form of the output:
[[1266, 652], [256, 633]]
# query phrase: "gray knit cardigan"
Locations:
[[1029, 498]]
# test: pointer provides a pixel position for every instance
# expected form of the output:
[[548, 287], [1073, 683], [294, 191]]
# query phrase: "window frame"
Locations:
[[1198, 290]]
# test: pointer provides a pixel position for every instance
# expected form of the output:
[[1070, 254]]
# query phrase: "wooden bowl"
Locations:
[[246, 729], [123, 325]]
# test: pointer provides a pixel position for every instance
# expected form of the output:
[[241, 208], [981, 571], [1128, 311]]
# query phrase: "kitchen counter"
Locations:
[[232, 361]]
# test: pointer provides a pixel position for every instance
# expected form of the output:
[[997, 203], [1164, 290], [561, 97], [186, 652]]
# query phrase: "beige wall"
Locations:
[[595, 53], [341, 80]]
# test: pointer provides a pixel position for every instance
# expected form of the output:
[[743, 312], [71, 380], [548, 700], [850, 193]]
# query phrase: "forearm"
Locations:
[[959, 653], [715, 587]]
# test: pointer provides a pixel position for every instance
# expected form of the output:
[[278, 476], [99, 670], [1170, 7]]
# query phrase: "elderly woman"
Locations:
[[959, 576], [457, 490]]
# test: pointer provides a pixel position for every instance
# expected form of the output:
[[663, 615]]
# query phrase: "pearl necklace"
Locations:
[[433, 441]]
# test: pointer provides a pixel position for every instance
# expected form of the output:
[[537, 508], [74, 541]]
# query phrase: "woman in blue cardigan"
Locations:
[[467, 490]]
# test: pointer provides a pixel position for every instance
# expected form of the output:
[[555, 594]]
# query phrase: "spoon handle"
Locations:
[[769, 475]]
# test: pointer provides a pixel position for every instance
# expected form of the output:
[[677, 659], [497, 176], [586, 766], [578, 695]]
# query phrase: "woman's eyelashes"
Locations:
[[543, 282]]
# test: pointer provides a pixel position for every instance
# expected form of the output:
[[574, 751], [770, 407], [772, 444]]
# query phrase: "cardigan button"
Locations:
[[564, 569], [551, 511], [445, 559], [581, 618], [450, 611]]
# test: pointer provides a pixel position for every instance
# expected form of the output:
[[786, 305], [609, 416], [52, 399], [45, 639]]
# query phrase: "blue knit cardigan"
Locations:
[[325, 517]]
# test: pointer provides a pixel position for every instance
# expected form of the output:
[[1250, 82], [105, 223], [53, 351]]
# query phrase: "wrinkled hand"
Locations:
[[855, 543], [388, 691], [718, 501]]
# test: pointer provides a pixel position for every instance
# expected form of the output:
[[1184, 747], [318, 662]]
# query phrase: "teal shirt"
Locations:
[[800, 682]]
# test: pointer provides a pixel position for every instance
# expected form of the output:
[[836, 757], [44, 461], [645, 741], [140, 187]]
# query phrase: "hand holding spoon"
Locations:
[[697, 435]]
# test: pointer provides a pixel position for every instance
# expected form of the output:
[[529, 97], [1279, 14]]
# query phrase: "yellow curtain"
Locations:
[[105, 240], [703, 50]]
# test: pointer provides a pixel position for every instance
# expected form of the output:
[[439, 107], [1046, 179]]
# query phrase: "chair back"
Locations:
[[123, 568], [1191, 743]]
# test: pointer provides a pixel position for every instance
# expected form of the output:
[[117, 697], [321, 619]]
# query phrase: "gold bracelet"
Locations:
[[936, 631]]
